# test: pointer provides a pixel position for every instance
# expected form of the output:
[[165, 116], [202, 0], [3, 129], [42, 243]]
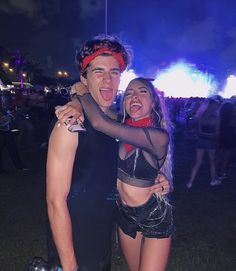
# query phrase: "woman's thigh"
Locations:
[[154, 254], [131, 249]]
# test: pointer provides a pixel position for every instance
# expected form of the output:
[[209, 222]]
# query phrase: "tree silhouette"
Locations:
[[18, 61]]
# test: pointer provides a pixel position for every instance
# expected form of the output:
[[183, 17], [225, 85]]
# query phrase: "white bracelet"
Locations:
[[76, 268]]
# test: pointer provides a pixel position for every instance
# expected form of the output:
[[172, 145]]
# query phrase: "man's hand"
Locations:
[[161, 186]]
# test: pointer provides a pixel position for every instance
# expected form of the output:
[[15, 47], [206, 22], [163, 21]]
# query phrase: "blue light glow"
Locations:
[[126, 77], [183, 79], [230, 88]]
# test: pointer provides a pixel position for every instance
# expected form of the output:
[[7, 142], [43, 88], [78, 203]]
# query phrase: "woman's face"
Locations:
[[138, 100]]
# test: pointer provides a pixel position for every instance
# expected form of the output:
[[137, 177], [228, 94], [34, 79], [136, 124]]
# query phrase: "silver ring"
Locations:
[[162, 189]]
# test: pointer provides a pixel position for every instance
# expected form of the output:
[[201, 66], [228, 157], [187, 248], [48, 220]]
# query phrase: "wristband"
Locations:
[[75, 269], [72, 96]]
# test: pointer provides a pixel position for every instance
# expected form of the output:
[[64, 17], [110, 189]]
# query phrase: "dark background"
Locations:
[[159, 31]]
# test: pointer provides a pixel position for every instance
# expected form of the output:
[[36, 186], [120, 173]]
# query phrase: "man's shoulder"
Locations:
[[59, 132], [62, 143]]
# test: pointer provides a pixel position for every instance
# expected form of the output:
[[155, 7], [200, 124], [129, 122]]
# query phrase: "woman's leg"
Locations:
[[218, 160], [225, 159], [196, 166], [211, 155], [154, 254], [131, 249]]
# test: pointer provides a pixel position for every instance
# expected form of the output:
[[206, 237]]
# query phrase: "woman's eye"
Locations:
[[143, 90]]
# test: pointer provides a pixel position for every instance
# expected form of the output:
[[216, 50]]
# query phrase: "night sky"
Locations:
[[159, 31]]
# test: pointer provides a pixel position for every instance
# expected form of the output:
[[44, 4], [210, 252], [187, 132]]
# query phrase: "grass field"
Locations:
[[205, 216]]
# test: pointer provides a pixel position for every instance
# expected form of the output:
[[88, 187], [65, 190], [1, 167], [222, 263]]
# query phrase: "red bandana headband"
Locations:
[[117, 56]]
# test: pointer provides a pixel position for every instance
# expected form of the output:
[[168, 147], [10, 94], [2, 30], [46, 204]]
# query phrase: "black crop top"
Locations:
[[134, 170]]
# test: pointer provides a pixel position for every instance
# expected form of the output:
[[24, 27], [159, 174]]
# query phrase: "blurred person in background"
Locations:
[[227, 139], [9, 132], [207, 123]]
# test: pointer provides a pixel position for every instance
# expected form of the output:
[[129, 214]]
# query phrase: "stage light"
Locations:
[[183, 79], [230, 87], [126, 77]]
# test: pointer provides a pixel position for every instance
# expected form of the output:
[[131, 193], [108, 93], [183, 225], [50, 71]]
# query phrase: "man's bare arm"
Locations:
[[61, 154]]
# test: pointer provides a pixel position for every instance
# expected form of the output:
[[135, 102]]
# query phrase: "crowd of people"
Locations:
[[213, 125], [21, 112]]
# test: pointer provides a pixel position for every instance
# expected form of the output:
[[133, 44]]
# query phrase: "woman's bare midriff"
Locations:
[[132, 195]]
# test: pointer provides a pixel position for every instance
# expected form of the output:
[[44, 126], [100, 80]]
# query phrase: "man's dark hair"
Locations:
[[112, 43]]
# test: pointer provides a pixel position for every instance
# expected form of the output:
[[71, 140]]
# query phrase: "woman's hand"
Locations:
[[79, 89], [70, 112], [161, 186]]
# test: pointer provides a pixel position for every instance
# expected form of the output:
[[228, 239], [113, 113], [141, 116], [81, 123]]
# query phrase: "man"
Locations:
[[81, 167], [8, 135]]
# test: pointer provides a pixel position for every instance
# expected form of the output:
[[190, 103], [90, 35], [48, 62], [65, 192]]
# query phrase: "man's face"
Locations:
[[103, 79]]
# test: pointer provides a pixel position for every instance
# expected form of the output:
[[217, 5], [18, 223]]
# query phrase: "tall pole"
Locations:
[[106, 4], [19, 61]]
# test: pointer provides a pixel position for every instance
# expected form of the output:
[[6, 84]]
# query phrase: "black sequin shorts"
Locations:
[[153, 219]]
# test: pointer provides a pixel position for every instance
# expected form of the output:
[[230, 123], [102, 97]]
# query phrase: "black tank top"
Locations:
[[91, 198], [95, 165]]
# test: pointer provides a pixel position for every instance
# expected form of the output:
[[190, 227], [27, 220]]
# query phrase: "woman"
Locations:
[[227, 142], [145, 222], [207, 124]]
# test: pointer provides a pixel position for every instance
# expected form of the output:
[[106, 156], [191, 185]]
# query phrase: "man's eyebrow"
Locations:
[[97, 69], [102, 69]]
